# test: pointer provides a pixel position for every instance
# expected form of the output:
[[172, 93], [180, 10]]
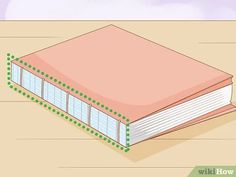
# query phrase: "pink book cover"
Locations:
[[130, 74]]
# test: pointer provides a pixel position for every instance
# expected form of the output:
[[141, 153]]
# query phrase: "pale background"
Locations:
[[35, 142], [118, 9]]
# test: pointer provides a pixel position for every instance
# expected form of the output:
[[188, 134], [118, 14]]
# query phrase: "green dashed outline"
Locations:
[[62, 114]]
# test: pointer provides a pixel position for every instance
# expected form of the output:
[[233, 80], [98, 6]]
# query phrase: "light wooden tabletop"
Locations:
[[35, 142]]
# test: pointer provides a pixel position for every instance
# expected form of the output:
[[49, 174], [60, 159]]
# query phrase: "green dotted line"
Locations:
[[58, 112]]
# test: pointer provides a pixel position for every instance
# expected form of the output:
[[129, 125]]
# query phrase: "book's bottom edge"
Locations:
[[59, 112], [211, 115]]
